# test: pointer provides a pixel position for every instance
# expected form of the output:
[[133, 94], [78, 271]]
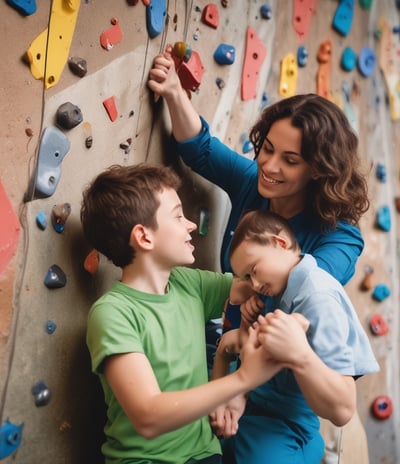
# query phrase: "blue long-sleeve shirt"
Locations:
[[336, 251]]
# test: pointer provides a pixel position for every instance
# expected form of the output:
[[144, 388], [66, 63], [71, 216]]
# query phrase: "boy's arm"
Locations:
[[153, 412], [164, 81], [331, 395]]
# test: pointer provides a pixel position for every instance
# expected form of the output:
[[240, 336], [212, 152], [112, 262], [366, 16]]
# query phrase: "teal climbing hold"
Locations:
[[343, 17], [26, 7], [10, 438], [349, 59]]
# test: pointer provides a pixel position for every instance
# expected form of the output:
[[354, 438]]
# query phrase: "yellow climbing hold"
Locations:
[[288, 76], [49, 52]]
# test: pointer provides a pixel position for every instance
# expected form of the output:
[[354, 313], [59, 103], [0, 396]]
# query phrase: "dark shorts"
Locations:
[[214, 459]]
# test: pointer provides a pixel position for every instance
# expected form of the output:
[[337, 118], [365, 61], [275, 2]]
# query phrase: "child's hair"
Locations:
[[329, 145], [117, 200], [258, 226]]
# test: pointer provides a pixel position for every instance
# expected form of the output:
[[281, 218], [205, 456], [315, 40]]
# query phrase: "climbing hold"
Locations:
[[382, 407], [77, 65], [302, 14], [54, 145], [41, 393], [48, 53], [388, 57], [255, 54], [324, 69], [247, 147], [41, 220], [288, 76], [111, 108], [155, 16], [126, 146], [91, 262], [397, 204], [111, 36], [87, 130], [55, 277], [10, 438], [190, 73], [9, 229], [68, 115], [381, 172], [26, 7], [203, 221], [220, 83], [343, 17], [367, 282], [378, 325], [365, 4], [302, 56], [266, 11], [264, 100], [381, 292], [224, 54], [349, 59], [366, 61], [182, 50], [383, 218], [59, 216], [210, 15], [50, 327]]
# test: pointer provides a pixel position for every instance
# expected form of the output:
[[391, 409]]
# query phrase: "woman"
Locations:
[[306, 169]]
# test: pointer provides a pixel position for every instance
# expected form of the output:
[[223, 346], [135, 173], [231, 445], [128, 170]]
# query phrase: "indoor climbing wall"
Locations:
[[74, 100]]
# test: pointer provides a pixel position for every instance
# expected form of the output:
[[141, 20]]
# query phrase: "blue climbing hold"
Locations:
[[383, 218], [266, 11], [247, 147], [10, 438], [302, 56], [366, 61], [381, 291], [55, 277], [224, 54], [50, 327], [41, 220], [381, 172], [41, 393], [349, 59], [343, 17], [26, 7], [155, 16]]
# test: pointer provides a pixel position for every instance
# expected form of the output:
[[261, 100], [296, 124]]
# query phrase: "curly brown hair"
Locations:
[[329, 145], [117, 200]]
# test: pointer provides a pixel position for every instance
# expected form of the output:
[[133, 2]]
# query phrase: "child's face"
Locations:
[[267, 267], [172, 238]]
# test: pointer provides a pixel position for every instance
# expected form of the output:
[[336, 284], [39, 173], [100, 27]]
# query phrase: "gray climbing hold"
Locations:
[[68, 115]]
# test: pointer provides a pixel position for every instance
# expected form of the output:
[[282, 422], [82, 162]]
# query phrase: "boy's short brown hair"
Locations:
[[120, 198]]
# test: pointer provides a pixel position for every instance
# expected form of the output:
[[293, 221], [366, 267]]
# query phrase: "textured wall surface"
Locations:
[[68, 429]]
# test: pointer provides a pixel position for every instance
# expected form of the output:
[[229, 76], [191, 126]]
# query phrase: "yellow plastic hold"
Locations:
[[56, 39], [288, 76]]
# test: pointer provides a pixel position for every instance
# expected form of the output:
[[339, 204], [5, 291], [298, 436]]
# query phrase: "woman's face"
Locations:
[[282, 171]]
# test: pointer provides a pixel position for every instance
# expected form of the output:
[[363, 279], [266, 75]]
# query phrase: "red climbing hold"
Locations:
[[111, 108], [382, 407], [254, 56], [378, 325], [190, 72], [111, 36], [210, 15]]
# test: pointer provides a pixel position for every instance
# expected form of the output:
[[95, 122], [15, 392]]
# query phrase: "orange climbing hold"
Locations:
[[255, 54], [324, 69], [91, 262], [111, 36]]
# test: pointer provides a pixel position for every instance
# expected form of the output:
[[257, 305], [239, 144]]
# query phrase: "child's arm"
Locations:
[[331, 395], [153, 412], [164, 81]]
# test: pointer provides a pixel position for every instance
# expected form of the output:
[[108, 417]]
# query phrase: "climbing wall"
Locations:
[[74, 100]]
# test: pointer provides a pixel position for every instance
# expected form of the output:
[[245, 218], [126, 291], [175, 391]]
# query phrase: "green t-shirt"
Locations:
[[169, 330]]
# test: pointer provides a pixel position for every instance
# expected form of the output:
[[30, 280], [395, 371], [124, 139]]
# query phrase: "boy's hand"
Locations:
[[257, 366], [229, 344], [283, 336], [225, 419], [250, 309], [241, 290]]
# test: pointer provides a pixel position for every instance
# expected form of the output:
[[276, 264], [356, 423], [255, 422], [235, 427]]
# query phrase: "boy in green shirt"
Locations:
[[146, 335]]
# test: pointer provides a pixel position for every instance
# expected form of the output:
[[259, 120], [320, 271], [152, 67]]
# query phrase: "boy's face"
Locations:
[[172, 239], [267, 267]]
